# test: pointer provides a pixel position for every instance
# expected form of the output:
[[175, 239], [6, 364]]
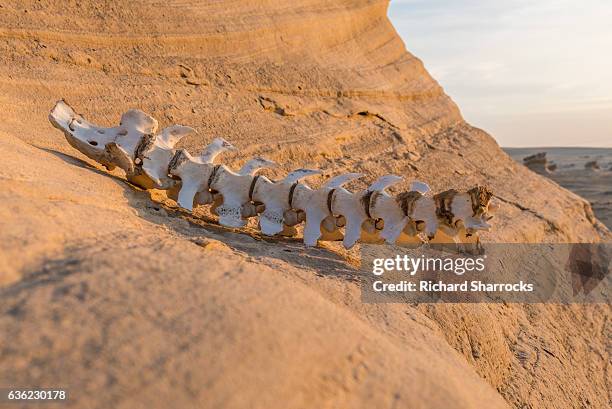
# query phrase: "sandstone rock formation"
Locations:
[[111, 292], [539, 163], [592, 165]]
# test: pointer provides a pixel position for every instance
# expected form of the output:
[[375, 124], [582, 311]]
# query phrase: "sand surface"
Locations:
[[126, 301]]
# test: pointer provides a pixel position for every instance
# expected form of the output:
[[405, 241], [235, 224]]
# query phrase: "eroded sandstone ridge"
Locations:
[[121, 296]]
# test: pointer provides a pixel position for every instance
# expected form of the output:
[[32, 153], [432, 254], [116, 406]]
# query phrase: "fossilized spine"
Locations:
[[329, 213]]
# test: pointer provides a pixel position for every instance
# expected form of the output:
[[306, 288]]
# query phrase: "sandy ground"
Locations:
[[573, 173], [126, 301]]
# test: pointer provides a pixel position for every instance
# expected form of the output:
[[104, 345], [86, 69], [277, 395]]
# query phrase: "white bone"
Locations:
[[248, 210], [150, 160], [195, 171], [120, 157], [462, 209], [248, 169], [425, 212], [303, 198], [217, 146], [421, 187], [465, 225], [234, 187], [290, 218], [293, 217], [170, 136], [384, 206], [255, 164], [330, 225], [371, 228], [314, 204], [351, 208], [157, 156], [384, 182], [399, 227], [338, 181], [329, 230], [117, 146], [299, 174], [208, 155], [203, 198], [134, 123], [275, 197], [93, 141]]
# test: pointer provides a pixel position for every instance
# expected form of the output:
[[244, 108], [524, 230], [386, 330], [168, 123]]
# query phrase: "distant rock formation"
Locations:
[[539, 163], [592, 165]]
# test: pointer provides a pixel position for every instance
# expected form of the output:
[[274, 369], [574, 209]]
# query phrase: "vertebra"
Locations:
[[373, 215]]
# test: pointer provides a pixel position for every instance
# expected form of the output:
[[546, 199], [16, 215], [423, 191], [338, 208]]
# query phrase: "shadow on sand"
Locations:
[[201, 224]]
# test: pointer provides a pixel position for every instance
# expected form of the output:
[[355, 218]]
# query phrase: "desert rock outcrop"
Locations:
[[96, 297], [539, 163]]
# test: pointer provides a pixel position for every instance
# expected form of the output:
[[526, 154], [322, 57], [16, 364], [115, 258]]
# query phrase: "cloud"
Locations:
[[516, 57]]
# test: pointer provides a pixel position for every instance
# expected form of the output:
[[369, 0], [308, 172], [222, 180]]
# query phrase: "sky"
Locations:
[[529, 72]]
